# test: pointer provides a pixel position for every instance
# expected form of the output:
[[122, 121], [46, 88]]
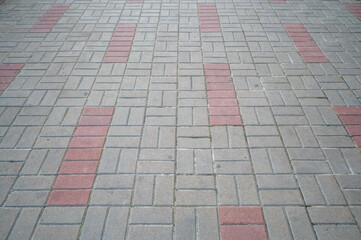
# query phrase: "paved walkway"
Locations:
[[180, 119]]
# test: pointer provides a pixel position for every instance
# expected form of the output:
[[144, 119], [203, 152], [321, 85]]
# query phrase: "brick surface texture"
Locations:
[[199, 120]]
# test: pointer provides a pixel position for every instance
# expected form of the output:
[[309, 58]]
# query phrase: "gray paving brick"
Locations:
[[8, 217], [56, 231], [195, 182], [331, 190], [185, 223], [337, 232], [23, 228], [149, 232], [26, 198], [34, 183], [164, 190], [151, 215], [277, 224], [143, 190], [276, 182], [116, 223], [93, 224], [207, 223], [247, 190], [330, 215], [299, 223], [226, 190], [114, 181], [195, 197], [111, 197], [62, 215]]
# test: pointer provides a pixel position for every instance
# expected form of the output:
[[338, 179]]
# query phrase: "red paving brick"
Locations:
[[69, 198], [84, 167], [8, 73], [87, 142], [91, 131], [225, 121], [355, 8], [208, 16], [357, 141], [98, 111], [95, 121], [244, 232], [83, 154], [48, 21], [241, 215], [351, 118], [222, 99], [78, 171], [74, 182], [348, 110], [304, 43], [242, 223], [354, 130], [121, 42]]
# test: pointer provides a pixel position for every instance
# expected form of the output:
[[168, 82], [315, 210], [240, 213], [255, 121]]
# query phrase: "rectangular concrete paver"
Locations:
[[143, 119]]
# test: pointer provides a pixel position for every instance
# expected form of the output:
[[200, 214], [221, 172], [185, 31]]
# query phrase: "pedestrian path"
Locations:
[[180, 119]]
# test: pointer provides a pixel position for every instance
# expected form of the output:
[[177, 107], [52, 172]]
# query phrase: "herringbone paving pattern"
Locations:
[[180, 119]]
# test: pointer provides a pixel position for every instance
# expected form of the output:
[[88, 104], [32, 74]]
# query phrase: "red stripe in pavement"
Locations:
[[208, 18], [120, 44], [222, 100], [351, 118], [8, 73], [242, 223], [303, 41], [355, 8], [78, 171], [48, 21]]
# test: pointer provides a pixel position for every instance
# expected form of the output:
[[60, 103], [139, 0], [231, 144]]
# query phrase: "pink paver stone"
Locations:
[[242, 223], [83, 154], [121, 42], [48, 21], [208, 16], [74, 181], [303, 40], [69, 198], [351, 118], [222, 99], [80, 165], [8, 73], [355, 8], [244, 232], [83, 167], [241, 215]]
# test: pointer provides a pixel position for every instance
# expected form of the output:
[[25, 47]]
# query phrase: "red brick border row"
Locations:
[[304, 43], [48, 21], [208, 18], [120, 44], [355, 8], [8, 73], [351, 118], [78, 171], [222, 100], [242, 223]]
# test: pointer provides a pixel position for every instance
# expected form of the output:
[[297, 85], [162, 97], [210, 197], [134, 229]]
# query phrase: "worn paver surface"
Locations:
[[180, 119]]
